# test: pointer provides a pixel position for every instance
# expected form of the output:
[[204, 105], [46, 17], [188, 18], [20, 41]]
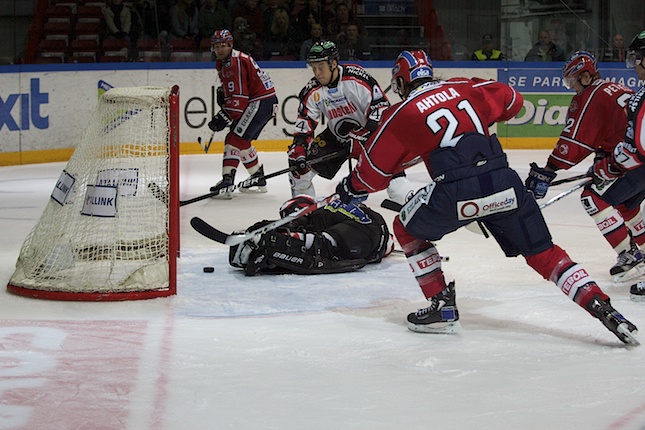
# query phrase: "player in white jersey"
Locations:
[[352, 103]]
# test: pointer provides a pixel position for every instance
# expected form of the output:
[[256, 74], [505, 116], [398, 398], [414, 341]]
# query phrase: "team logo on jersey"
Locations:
[[316, 97], [573, 106], [563, 149], [502, 201]]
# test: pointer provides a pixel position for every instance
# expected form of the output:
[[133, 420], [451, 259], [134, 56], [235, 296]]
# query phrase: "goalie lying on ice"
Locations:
[[334, 239]]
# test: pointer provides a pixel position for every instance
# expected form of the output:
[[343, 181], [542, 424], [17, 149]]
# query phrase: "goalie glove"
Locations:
[[538, 181], [220, 121], [347, 194]]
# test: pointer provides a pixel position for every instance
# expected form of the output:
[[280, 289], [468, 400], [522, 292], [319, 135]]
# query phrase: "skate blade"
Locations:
[[437, 328], [634, 272], [629, 335], [254, 190]]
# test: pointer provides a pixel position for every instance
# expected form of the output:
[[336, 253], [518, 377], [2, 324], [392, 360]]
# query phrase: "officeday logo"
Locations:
[[28, 111], [543, 115]]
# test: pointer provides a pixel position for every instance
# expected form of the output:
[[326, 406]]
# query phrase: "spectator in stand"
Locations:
[[280, 40], [118, 20], [337, 26], [617, 51], [245, 40], [352, 45], [144, 20], [316, 36], [184, 21], [327, 13], [487, 53], [271, 7], [298, 18], [250, 11], [213, 16], [545, 50]]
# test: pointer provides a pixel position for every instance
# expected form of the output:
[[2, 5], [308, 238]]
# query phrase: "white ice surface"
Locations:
[[316, 352]]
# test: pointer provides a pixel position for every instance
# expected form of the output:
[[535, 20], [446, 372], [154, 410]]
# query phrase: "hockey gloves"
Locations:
[[605, 170], [357, 139], [538, 181], [298, 157], [348, 194], [220, 121]]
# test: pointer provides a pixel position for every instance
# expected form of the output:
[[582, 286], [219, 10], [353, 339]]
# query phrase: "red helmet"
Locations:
[[411, 65], [221, 36], [579, 62]]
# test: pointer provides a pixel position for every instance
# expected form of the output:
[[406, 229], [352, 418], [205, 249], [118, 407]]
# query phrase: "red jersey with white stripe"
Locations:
[[597, 119], [434, 115], [355, 101], [243, 82]]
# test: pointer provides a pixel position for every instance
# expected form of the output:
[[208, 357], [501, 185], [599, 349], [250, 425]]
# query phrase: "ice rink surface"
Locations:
[[317, 352]]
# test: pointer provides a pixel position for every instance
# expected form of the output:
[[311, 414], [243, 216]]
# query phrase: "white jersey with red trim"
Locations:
[[632, 152], [434, 116], [597, 119], [243, 82], [355, 101]]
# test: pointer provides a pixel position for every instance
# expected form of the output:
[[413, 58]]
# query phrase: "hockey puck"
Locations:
[[209, 269]]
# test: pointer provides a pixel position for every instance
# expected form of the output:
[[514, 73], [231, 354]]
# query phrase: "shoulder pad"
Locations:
[[311, 85], [356, 71]]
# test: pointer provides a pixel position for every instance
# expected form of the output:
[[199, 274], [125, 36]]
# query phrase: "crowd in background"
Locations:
[[285, 29], [266, 29]]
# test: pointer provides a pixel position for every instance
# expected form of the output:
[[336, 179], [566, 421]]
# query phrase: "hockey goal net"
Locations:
[[110, 230]]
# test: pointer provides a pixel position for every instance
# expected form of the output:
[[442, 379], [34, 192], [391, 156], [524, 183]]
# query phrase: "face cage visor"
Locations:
[[633, 59], [570, 81]]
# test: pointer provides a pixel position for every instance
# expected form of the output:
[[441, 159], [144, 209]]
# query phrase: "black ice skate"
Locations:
[[613, 320], [637, 292], [257, 183], [227, 181], [440, 317], [629, 264]]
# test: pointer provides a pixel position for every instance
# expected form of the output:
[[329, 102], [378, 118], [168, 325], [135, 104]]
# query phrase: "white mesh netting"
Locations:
[[105, 228]]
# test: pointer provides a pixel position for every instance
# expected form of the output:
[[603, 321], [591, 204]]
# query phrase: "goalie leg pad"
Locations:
[[289, 253]]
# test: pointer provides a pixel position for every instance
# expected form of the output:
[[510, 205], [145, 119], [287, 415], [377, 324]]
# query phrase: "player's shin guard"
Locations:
[[576, 283], [424, 260]]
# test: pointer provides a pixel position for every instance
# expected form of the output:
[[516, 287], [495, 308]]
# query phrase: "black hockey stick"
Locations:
[[567, 180], [219, 236], [207, 146], [250, 181]]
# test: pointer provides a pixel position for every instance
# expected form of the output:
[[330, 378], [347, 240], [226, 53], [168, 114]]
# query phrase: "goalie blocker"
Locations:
[[334, 239]]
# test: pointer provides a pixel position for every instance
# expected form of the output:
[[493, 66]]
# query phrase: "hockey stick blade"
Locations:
[[207, 146], [212, 233], [158, 193]]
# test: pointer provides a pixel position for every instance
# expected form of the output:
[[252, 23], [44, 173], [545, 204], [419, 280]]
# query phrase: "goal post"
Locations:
[[110, 230]]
